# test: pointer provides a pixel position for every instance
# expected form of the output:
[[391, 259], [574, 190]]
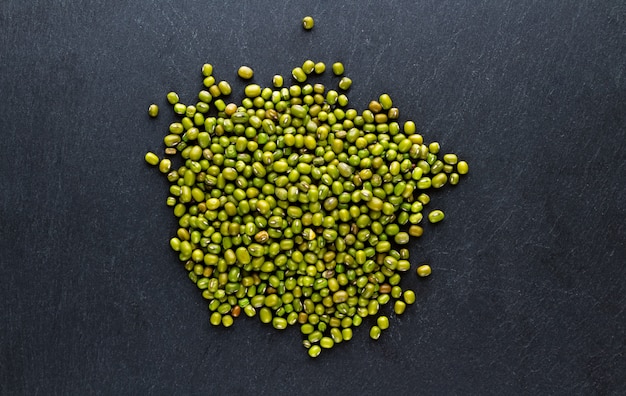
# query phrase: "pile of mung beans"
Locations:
[[296, 208]]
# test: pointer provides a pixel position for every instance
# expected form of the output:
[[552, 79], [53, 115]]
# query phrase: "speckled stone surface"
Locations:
[[527, 294]]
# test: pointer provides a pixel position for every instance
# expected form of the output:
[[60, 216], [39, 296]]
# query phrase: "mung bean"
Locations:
[[375, 332], [153, 110], [345, 83], [462, 167], [423, 270], [245, 72], [338, 68], [152, 158], [436, 216], [308, 22]]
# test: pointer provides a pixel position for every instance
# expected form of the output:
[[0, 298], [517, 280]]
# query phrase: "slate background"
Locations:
[[527, 293]]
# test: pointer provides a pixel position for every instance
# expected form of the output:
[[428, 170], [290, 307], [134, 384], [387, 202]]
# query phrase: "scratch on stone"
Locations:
[[554, 225], [506, 220]]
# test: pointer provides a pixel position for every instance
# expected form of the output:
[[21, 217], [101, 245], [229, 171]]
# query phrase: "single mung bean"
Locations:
[[436, 216], [327, 342], [375, 332], [153, 110], [434, 147], [385, 101], [401, 238], [252, 90], [450, 159], [409, 297], [454, 178], [439, 180], [299, 74], [227, 320], [165, 165], [215, 319], [416, 231], [277, 81], [423, 270], [308, 66], [151, 158], [180, 108], [314, 351], [245, 72], [399, 307], [345, 83], [382, 322], [207, 69], [424, 183], [308, 22], [265, 314], [279, 323], [224, 88], [338, 68], [462, 167], [172, 98]]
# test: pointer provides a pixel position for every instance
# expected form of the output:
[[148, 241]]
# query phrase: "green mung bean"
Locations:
[[320, 67], [375, 332], [277, 81], [152, 158], [224, 88], [279, 323], [423, 270], [172, 98], [153, 110], [385, 101], [439, 180], [252, 90], [207, 69], [462, 168], [338, 68], [345, 83], [454, 178], [308, 22], [436, 216], [399, 307], [245, 72], [314, 351], [451, 159], [299, 74], [308, 66], [327, 342], [382, 322], [409, 297]]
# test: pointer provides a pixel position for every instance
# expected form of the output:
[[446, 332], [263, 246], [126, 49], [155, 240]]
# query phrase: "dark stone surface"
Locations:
[[528, 289]]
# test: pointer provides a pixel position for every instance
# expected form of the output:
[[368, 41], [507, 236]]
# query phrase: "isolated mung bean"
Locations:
[[423, 270], [338, 68], [375, 332], [245, 72], [345, 83], [462, 167], [152, 158], [308, 22], [153, 110], [436, 216], [299, 74]]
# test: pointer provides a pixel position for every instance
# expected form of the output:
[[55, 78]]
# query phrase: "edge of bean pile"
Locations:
[[294, 207]]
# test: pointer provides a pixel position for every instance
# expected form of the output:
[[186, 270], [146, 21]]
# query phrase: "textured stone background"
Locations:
[[528, 288]]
